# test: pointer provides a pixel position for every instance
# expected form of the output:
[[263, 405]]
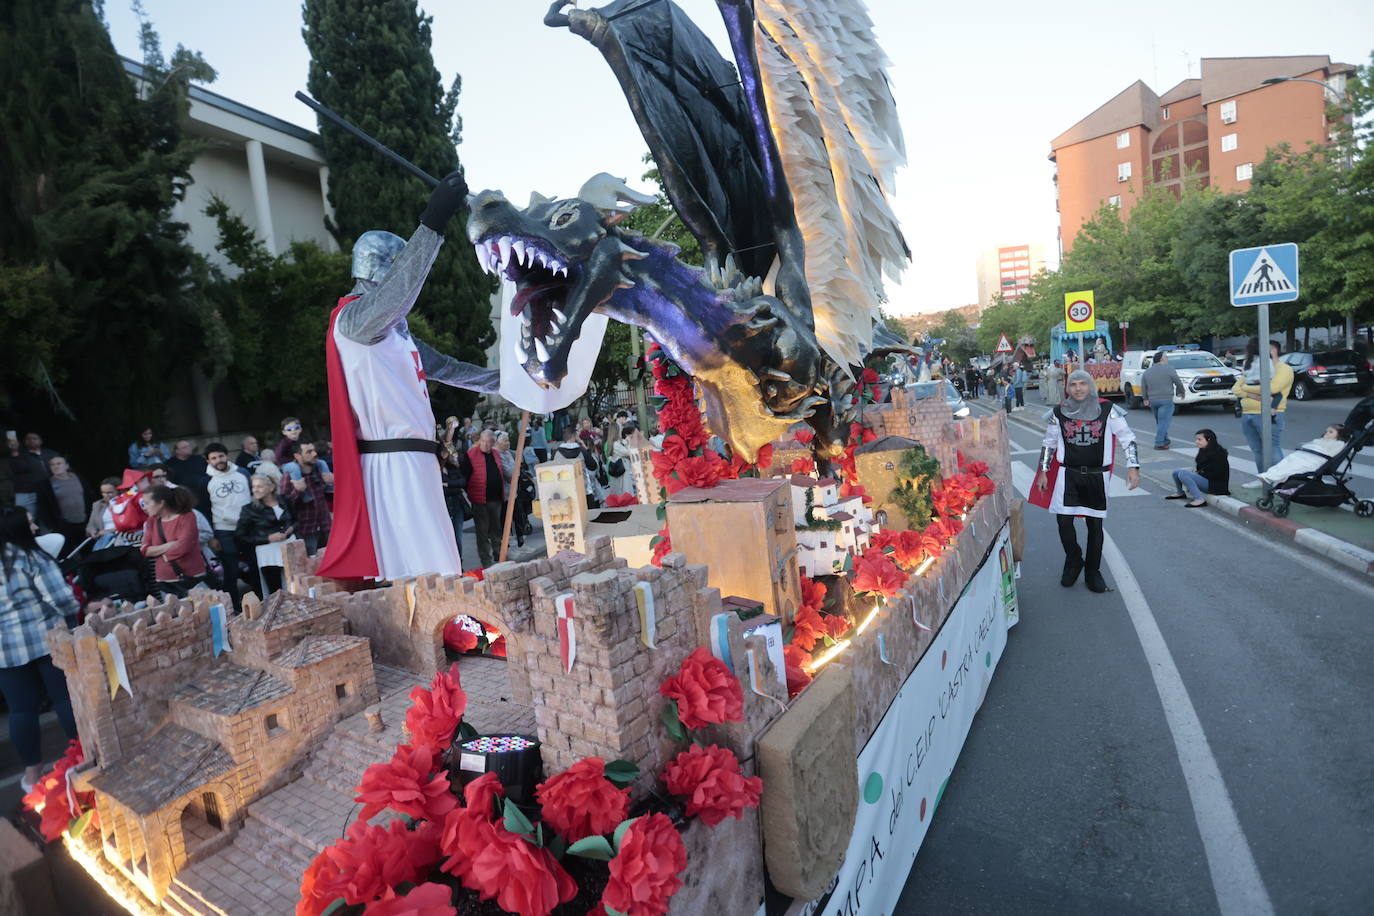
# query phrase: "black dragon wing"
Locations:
[[788, 163], [692, 111]]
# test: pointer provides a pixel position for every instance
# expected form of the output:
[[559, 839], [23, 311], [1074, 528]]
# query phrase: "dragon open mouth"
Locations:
[[542, 282]]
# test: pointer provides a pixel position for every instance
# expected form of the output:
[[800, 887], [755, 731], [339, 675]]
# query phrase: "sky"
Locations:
[[981, 89]]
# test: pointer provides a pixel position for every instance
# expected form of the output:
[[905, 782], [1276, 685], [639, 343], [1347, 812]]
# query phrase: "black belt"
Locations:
[[382, 446], [1087, 470]]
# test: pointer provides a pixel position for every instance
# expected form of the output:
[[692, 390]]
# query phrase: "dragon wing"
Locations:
[[835, 125], [688, 103]]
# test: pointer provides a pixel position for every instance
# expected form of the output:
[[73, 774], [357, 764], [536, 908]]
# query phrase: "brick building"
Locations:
[[1213, 130]]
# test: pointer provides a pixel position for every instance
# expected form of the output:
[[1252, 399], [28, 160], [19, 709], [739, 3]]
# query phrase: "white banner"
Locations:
[[905, 765]]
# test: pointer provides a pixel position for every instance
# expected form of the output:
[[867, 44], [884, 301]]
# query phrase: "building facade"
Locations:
[[1212, 130], [1007, 270]]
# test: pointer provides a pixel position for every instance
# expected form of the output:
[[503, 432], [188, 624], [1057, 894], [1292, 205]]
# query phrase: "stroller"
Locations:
[[116, 572], [1327, 485]]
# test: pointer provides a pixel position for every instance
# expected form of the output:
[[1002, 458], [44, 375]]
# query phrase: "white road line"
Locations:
[[1023, 476], [1236, 879]]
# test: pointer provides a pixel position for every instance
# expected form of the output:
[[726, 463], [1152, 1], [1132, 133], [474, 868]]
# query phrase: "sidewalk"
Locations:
[[1337, 534]]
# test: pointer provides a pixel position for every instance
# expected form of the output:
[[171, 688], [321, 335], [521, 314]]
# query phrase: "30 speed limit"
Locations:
[[1078, 311]]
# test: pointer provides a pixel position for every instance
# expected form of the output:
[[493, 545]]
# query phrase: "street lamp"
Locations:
[[1273, 80], [1123, 325]]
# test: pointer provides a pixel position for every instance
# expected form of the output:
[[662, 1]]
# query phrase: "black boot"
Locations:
[[1073, 555], [1092, 576]]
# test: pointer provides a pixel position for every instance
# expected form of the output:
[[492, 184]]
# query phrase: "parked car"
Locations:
[[1206, 379], [1319, 371]]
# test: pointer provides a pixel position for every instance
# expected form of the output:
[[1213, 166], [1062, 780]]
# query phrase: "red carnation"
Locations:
[[470, 829], [705, 690], [676, 387], [478, 574], [795, 659], [884, 540], [804, 435], [644, 874], [458, 638], [428, 899], [704, 470], [710, 780], [498, 648], [621, 500], [436, 712], [977, 468], [525, 879], [581, 802], [908, 551], [878, 575], [836, 625], [365, 863], [405, 785], [810, 627], [803, 466], [674, 449]]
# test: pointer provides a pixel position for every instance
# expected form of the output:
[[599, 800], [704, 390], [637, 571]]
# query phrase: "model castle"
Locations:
[[224, 758]]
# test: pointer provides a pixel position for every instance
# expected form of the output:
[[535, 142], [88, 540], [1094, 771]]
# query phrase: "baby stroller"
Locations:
[[116, 572], [1327, 485]]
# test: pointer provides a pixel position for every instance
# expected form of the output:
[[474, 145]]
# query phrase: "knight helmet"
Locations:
[[373, 253]]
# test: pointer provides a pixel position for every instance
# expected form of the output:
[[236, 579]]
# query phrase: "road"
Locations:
[[1196, 741]]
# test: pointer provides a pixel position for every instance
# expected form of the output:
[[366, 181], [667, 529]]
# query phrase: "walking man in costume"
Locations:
[[389, 516], [1075, 464]]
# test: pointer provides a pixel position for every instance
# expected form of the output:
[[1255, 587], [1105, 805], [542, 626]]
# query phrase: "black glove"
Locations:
[[450, 194]]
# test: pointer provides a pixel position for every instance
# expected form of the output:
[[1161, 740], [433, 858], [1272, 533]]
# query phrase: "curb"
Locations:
[[1319, 542]]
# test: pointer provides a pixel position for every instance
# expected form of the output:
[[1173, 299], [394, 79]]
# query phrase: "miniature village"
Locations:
[[224, 754]]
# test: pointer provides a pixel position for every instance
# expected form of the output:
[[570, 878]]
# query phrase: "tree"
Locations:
[[370, 61], [961, 344], [90, 168]]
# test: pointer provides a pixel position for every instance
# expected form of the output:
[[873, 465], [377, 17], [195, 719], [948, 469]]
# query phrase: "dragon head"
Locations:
[[563, 257]]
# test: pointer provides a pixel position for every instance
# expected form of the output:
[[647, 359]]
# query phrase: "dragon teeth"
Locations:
[[518, 246], [503, 243], [541, 350], [520, 352], [562, 319], [525, 316]]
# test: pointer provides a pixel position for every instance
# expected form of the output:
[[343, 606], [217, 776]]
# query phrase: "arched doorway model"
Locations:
[[202, 821]]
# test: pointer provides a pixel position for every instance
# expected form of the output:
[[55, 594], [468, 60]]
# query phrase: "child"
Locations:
[[1307, 457]]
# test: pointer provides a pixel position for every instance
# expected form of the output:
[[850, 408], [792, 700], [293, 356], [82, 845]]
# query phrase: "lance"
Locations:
[[371, 141]]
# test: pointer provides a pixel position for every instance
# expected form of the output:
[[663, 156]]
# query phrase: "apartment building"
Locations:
[[1212, 129], [1006, 271]]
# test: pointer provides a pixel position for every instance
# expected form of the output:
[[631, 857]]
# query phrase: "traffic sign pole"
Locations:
[[1266, 418]]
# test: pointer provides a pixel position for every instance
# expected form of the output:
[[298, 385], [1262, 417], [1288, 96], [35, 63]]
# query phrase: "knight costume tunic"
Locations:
[[1081, 454], [389, 511]]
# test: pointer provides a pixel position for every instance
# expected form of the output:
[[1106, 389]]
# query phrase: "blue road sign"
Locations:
[[1265, 274]]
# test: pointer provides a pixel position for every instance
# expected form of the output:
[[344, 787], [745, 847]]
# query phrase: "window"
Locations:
[[1123, 140], [1164, 113], [1244, 171], [274, 725], [1228, 112], [1123, 171], [343, 691], [1114, 200], [1228, 142]]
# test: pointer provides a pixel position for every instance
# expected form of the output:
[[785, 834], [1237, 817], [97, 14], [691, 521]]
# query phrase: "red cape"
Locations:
[[350, 553]]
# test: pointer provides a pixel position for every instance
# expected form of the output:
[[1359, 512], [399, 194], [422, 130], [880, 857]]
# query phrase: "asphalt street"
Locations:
[[1197, 740]]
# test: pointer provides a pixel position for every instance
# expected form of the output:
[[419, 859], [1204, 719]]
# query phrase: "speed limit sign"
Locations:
[[1078, 311]]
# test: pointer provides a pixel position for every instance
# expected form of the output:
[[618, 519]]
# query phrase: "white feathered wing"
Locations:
[[835, 123]]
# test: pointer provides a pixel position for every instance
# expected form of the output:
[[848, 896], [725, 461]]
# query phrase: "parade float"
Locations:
[[744, 694]]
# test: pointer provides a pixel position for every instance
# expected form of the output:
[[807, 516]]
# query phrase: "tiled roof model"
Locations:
[[284, 609], [163, 767], [314, 649], [228, 689]]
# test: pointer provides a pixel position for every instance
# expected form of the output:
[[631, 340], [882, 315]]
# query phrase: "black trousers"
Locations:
[[1069, 538], [486, 520]]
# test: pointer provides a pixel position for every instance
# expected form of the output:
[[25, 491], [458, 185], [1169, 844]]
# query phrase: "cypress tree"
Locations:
[[90, 168], [370, 61]]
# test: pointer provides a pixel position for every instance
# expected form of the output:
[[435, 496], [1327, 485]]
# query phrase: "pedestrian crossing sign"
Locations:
[[1265, 274]]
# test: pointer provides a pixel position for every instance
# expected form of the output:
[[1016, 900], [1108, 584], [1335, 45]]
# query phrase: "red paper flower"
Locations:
[[878, 575], [804, 435], [662, 547], [859, 434], [470, 829], [809, 628], [710, 780], [674, 449], [836, 625], [50, 793], [366, 863], [436, 712], [644, 874], [803, 466], [704, 470], [458, 638], [946, 529], [406, 784], [705, 690], [908, 551], [581, 802], [523, 878], [976, 468], [498, 648], [797, 678], [428, 899], [812, 593], [478, 574], [620, 500], [884, 540]]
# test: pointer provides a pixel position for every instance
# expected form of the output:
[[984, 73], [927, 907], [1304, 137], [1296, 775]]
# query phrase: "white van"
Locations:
[[1206, 379]]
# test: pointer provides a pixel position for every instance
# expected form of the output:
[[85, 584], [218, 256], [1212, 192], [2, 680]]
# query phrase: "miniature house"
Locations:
[[829, 529]]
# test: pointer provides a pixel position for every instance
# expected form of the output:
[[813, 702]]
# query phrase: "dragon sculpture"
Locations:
[[782, 169]]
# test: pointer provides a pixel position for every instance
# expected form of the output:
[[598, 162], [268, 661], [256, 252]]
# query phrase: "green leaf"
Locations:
[[612, 911], [539, 835], [676, 731], [515, 820], [620, 832], [622, 772], [661, 511], [338, 904], [79, 824], [592, 847]]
